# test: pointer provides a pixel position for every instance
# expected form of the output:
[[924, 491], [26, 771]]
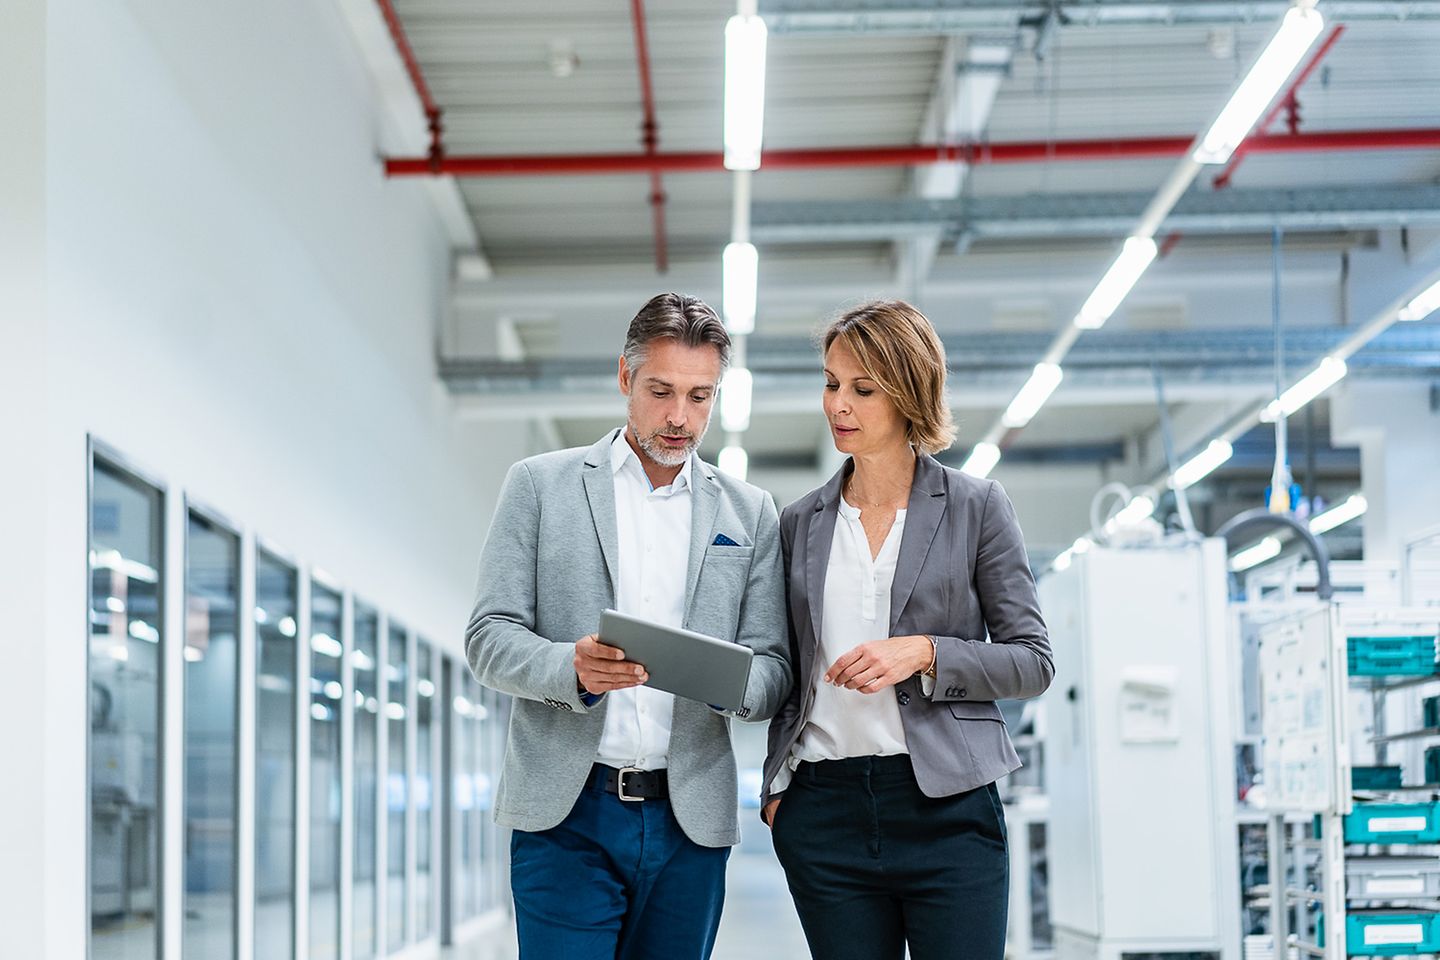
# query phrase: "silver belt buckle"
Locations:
[[620, 784]]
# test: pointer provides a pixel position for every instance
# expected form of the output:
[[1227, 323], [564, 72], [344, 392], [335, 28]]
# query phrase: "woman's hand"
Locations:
[[873, 666], [768, 814]]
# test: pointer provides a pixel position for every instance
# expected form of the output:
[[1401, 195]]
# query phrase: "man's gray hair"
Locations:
[[674, 316]]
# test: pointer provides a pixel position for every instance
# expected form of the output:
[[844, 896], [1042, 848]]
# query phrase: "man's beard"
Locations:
[[665, 456]]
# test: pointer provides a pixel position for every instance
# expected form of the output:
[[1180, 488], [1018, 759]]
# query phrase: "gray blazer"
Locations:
[[549, 567], [962, 568]]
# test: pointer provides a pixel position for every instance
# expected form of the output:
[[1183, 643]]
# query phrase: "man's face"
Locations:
[[670, 398]]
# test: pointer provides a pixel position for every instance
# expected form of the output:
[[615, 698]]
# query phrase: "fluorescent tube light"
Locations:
[[1423, 305], [739, 281], [1043, 381], [1281, 56], [1202, 464], [1330, 372], [1140, 508], [735, 391], [1119, 280], [1266, 549], [734, 461], [982, 460], [1353, 506], [744, 91]]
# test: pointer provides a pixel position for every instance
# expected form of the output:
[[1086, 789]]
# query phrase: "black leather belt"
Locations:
[[633, 784]]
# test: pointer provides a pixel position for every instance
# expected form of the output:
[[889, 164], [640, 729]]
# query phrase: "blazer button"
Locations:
[[963, 694], [954, 693], [904, 698]]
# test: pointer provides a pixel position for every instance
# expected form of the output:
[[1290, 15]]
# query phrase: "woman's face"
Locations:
[[862, 417]]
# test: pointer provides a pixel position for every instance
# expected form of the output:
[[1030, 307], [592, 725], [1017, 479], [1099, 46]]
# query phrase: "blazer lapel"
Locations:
[[818, 537], [704, 505], [600, 491], [922, 520]]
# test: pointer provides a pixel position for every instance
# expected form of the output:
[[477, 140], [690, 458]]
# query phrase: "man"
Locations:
[[623, 797]]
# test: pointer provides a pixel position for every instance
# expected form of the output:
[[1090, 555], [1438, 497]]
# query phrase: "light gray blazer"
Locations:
[[549, 567], [962, 569]]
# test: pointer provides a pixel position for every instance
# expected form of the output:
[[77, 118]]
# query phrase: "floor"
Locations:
[[757, 911]]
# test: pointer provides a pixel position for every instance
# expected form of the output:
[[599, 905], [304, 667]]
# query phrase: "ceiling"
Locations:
[[570, 258]]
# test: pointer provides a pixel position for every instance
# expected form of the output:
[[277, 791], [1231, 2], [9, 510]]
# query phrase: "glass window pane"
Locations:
[[425, 826], [126, 527], [212, 578], [326, 700], [397, 677], [480, 773], [363, 661], [276, 610], [463, 788]]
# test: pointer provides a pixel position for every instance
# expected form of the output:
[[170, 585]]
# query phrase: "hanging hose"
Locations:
[[1261, 518]]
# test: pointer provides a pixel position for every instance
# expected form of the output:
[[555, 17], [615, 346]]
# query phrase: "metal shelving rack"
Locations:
[[1342, 720]]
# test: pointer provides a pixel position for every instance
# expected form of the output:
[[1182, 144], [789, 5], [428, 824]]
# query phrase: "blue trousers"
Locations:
[[875, 866], [616, 880]]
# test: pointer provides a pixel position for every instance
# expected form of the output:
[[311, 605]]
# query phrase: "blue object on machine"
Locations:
[[1432, 765], [1394, 823], [1375, 778]]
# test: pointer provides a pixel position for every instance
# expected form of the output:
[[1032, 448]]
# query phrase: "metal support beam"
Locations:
[[959, 110], [822, 17], [1095, 214], [1106, 367]]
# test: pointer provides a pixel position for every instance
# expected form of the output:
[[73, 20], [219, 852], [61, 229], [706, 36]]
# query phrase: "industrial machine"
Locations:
[[1140, 754]]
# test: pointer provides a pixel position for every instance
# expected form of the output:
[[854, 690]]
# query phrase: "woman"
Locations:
[[880, 779]]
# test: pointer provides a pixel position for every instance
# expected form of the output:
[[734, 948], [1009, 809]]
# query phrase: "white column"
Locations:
[[1398, 431], [42, 705]]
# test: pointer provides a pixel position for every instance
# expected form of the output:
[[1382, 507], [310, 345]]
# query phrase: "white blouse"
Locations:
[[847, 723]]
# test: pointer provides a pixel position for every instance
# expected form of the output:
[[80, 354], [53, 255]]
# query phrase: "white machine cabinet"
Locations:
[[1140, 756]]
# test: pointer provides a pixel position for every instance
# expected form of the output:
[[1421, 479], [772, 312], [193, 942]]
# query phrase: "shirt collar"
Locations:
[[622, 454]]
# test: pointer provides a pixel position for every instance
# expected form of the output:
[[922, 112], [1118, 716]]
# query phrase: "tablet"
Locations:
[[682, 662]]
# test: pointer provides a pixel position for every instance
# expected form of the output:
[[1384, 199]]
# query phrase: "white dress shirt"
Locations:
[[847, 723], [654, 540]]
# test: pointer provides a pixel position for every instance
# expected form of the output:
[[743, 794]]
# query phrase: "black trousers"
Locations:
[[874, 864]]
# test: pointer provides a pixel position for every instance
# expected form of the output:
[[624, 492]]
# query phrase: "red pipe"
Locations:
[[1286, 102], [650, 134], [412, 66], [901, 156]]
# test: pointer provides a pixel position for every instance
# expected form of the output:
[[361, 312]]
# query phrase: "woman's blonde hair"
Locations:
[[898, 348]]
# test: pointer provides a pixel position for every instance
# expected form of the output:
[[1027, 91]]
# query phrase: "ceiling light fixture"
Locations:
[[1137, 254], [1348, 509], [1423, 305], [982, 459], [735, 394], [735, 461], [739, 281], [745, 38], [1043, 381], [1202, 464], [1267, 549], [1298, 30], [1330, 372]]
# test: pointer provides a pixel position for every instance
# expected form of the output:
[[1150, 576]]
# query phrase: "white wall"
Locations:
[[25, 896], [205, 268], [241, 302]]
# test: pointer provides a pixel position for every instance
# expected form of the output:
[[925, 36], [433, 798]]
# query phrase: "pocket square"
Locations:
[[723, 541]]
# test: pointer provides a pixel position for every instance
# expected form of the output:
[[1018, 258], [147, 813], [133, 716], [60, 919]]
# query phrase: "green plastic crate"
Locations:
[[1394, 823], [1388, 933]]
